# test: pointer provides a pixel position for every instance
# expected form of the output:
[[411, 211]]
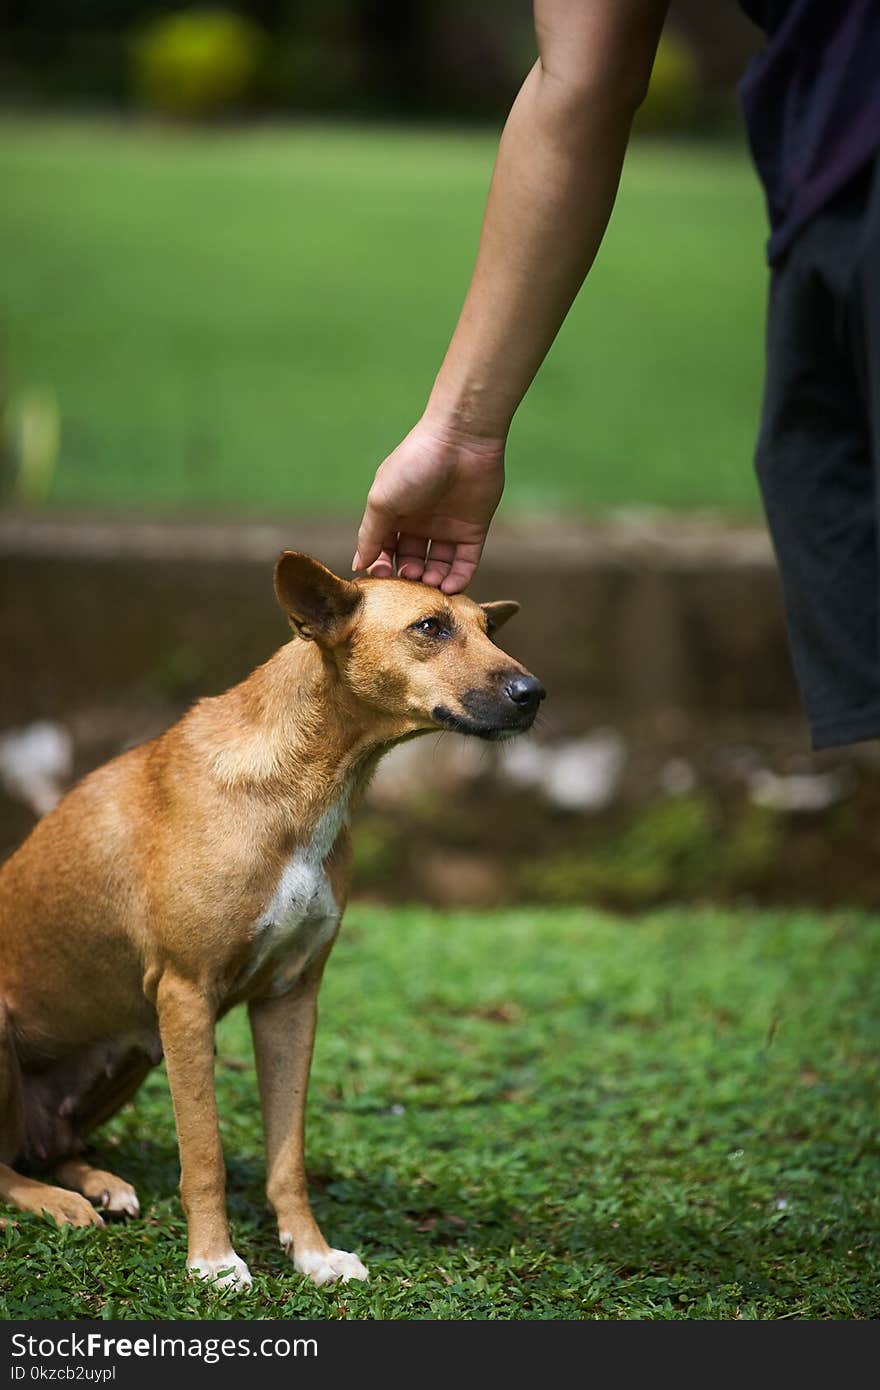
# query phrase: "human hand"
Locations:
[[438, 488]]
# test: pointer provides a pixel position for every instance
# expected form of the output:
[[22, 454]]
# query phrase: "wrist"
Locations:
[[455, 421]]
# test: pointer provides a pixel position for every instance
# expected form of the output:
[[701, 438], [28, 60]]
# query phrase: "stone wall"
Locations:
[[670, 759], [635, 617]]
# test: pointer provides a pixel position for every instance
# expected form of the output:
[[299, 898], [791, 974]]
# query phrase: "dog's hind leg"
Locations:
[[11, 1108], [66, 1208], [113, 1195]]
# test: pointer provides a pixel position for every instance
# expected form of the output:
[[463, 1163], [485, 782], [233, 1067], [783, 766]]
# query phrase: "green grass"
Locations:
[[249, 321], [538, 1114]]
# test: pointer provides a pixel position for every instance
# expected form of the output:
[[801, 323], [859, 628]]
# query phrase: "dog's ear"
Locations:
[[318, 604], [499, 613]]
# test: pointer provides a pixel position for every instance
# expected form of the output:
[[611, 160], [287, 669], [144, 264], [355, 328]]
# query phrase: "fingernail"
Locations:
[[356, 562]]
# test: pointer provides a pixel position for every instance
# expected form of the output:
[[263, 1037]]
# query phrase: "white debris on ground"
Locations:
[[677, 777], [438, 762], [35, 764], [581, 774], [798, 792]]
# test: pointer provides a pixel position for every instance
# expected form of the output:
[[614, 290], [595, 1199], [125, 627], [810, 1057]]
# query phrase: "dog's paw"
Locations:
[[113, 1195], [327, 1266], [68, 1208], [228, 1272], [121, 1200]]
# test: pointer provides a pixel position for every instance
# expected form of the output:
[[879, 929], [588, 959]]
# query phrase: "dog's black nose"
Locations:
[[525, 691]]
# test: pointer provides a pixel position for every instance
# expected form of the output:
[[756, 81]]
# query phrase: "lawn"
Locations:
[[249, 321], [538, 1114]]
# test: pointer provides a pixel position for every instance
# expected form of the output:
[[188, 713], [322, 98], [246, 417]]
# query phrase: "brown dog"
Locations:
[[211, 867]]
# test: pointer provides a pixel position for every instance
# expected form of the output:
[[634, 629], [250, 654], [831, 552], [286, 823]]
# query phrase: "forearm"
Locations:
[[552, 192], [432, 500]]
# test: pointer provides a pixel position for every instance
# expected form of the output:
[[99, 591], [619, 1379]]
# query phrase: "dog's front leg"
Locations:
[[186, 1023], [284, 1035]]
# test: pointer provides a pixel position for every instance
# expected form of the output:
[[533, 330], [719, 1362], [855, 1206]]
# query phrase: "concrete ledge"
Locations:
[[633, 617], [643, 537]]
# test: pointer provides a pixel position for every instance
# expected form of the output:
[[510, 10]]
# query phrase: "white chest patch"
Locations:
[[302, 914]]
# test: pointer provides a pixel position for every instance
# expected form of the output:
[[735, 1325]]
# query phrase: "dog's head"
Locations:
[[426, 660]]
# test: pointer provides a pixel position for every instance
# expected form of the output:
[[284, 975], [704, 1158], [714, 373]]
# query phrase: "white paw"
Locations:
[[229, 1272], [328, 1266], [121, 1202]]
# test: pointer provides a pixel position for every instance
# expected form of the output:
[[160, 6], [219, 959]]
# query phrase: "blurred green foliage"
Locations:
[[376, 856], [678, 846], [401, 58]]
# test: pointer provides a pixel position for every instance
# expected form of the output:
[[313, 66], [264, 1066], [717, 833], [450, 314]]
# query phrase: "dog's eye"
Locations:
[[428, 627]]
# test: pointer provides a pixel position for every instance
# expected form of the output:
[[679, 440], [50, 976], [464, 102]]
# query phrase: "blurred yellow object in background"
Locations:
[[31, 438], [196, 64], [673, 100]]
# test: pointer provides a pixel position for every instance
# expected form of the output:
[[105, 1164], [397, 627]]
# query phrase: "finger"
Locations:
[[411, 551], [377, 532], [462, 569], [383, 566], [439, 562]]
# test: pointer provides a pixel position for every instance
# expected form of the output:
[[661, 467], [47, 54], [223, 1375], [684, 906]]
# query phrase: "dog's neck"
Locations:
[[291, 731]]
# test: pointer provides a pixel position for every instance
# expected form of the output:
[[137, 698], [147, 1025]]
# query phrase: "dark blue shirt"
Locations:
[[811, 101]]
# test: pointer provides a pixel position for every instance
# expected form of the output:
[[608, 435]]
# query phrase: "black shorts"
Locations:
[[818, 459]]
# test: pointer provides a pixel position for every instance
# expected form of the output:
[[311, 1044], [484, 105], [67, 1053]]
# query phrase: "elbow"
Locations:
[[635, 85], [604, 77], [613, 93]]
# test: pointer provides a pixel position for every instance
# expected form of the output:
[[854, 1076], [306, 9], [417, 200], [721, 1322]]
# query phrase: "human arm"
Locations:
[[552, 191]]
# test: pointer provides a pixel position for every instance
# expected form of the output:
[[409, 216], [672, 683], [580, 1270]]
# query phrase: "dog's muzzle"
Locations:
[[495, 714]]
